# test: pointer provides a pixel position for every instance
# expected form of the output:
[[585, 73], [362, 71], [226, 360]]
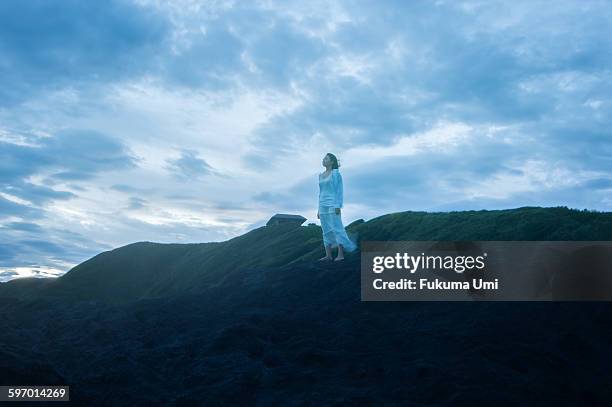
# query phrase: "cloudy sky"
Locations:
[[188, 121]]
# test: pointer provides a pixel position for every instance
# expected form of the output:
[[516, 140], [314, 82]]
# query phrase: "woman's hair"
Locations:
[[335, 163]]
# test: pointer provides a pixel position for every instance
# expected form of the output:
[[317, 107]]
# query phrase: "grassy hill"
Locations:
[[150, 270], [256, 321]]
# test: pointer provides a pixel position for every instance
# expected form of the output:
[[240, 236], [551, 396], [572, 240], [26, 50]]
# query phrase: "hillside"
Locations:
[[153, 270], [256, 320]]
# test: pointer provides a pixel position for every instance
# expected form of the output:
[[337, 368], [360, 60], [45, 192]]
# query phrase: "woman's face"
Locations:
[[326, 161]]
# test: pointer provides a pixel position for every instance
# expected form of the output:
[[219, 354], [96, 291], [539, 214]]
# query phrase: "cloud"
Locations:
[[71, 154], [7, 274], [42, 246], [136, 203], [7, 254], [37, 194], [10, 207], [129, 188], [23, 226], [46, 45], [28, 249], [84, 153], [189, 165]]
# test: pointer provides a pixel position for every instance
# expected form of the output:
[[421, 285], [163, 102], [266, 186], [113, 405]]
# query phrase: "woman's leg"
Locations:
[[328, 253], [328, 233], [340, 253], [340, 236]]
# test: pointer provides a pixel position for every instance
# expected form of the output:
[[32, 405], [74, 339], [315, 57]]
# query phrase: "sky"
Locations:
[[188, 121]]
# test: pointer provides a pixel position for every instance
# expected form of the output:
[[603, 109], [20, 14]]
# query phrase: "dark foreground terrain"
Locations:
[[154, 324]]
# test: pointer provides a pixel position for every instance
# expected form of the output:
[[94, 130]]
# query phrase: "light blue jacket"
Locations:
[[331, 190]]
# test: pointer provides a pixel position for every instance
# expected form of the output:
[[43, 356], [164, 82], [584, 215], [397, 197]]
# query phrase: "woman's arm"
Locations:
[[339, 190]]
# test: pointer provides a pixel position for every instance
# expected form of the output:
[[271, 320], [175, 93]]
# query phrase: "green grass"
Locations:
[[148, 269]]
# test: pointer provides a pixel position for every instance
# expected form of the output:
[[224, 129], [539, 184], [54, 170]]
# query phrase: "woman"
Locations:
[[330, 202]]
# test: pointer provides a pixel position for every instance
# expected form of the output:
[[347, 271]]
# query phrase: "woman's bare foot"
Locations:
[[339, 258], [325, 258]]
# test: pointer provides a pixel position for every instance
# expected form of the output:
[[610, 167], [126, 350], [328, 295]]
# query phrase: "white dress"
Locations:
[[330, 198]]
